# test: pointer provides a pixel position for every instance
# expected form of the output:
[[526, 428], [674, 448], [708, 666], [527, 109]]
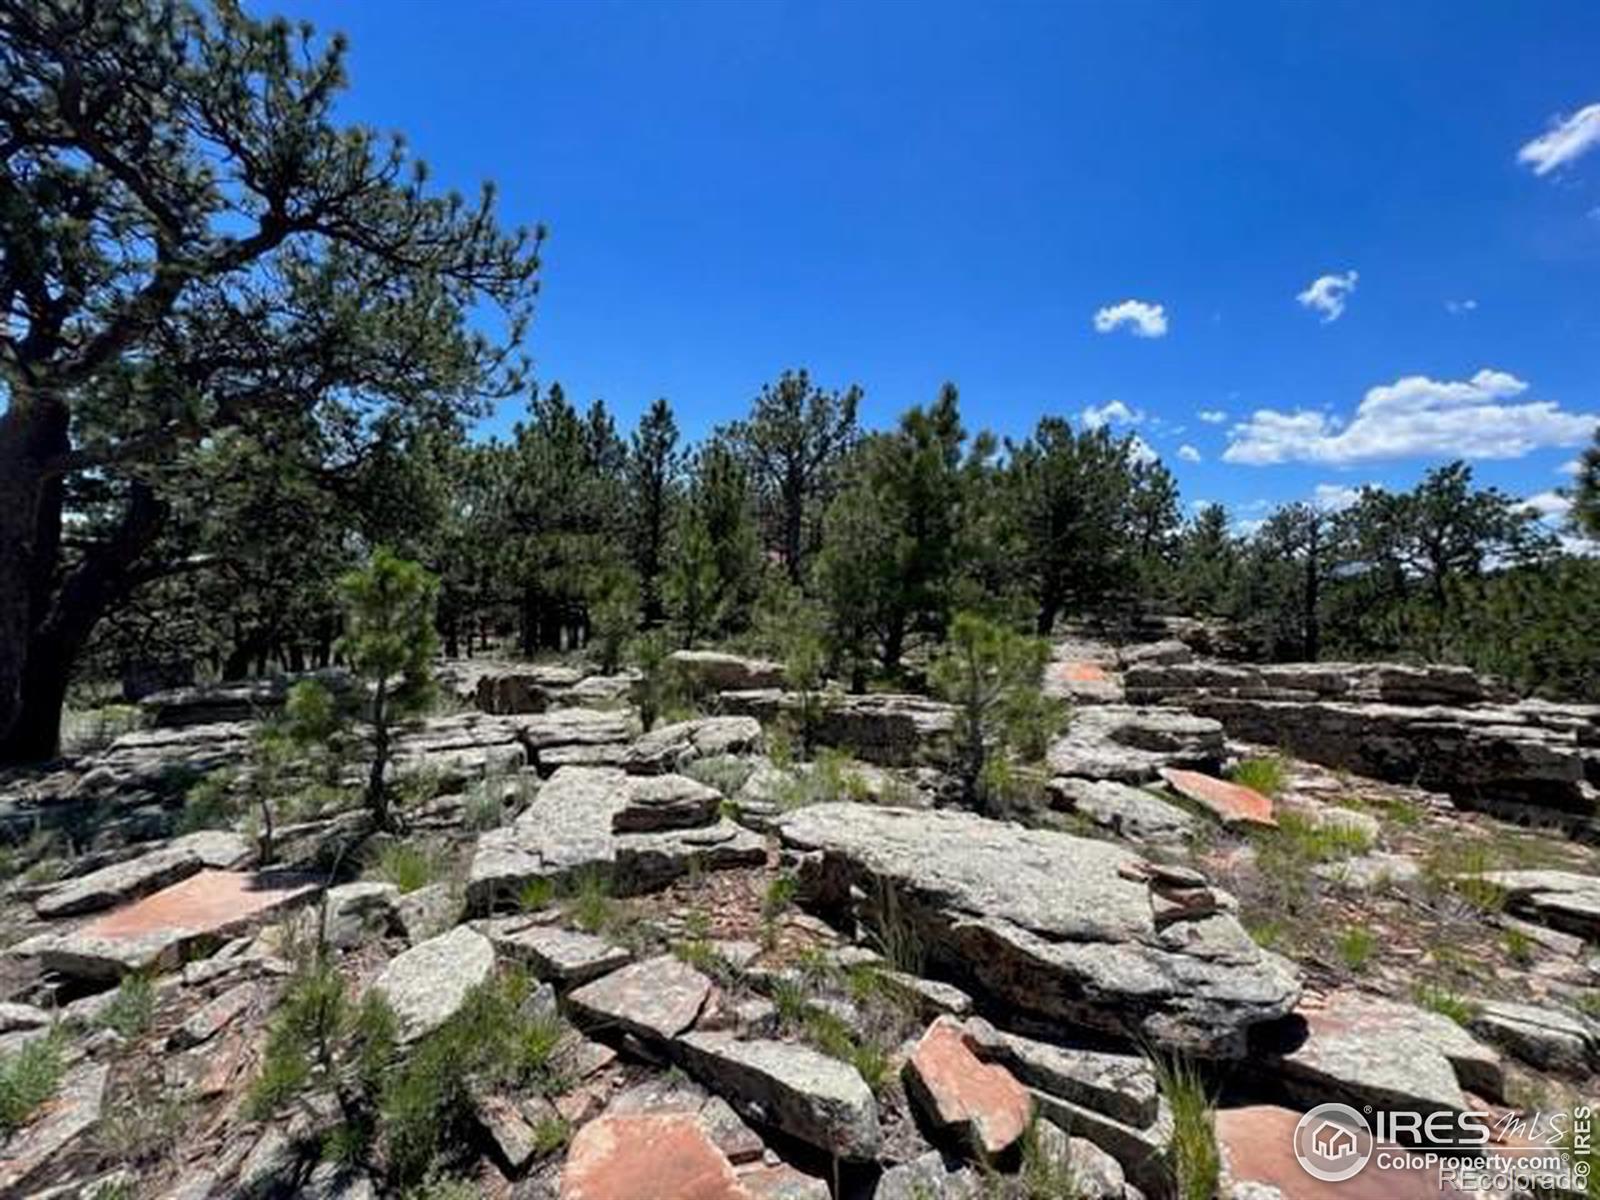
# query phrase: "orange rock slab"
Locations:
[[647, 1157], [1232, 803], [960, 1091]]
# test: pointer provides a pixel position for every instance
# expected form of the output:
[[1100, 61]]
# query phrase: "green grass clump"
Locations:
[[133, 1008], [1355, 946], [28, 1077], [1445, 1002], [1196, 1162], [1266, 775], [406, 865], [1312, 842], [589, 904]]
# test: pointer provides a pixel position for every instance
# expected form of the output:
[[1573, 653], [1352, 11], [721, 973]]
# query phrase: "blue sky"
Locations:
[[897, 194]]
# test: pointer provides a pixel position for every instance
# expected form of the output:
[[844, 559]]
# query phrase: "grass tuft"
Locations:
[[1266, 775], [1196, 1161], [30, 1076]]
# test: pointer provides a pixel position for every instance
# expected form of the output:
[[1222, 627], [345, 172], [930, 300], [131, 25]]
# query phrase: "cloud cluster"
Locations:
[[1414, 417], [1327, 294], [1142, 319], [1457, 307], [1212, 416], [1112, 412], [1567, 140], [1188, 453]]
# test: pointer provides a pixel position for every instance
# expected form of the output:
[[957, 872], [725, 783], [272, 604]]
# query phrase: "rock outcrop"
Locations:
[[635, 832], [1439, 727], [1131, 745], [886, 728], [711, 671], [1059, 926]]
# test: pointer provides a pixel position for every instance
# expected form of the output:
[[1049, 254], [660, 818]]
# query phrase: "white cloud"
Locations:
[[1188, 453], [1142, 451], [1334, 497], [1143, 320], [1571, 467], [1327, 294], [1112, 412], [1567, 140], [1212, 416], [1456, 307], [1414, 417], [1549, 505]]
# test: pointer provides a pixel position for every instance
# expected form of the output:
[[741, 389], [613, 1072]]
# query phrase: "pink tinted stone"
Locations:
[[1231, 802], [647, 1157], [1258, 1145], [958, 1090], [1083, 672]]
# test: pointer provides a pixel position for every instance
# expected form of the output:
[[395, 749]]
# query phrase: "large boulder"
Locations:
[[636, 832], [655, 1000], [1131, 745], [1066, 928], [1126, 811], [1563, 900], [711, 671], [524, 688], [887, 728]]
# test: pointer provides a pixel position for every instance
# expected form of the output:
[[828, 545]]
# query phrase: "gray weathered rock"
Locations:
[[149, 872], [72, 1114], [427, 984], [672, 747], [1552, 1039], [525, 688], [1120, 1085], [1368, 1050], [354, 912], [656, 999], [1563, 900], [428, 911], [221, 1012], [712, 671], [929, 1177], [1131, 745], [1128, 812], [1370, 872], [1058, 926], [566, 957], [1436, 726], [889, 729], [800, 1091], [572, 828]]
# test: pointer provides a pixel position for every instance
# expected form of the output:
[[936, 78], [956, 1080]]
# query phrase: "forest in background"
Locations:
[[242, 344]]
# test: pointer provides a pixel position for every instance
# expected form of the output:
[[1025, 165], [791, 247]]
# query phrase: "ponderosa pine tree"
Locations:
[[794, 440], [389, 643], [191, 244], [1586, 491], [654, 466]]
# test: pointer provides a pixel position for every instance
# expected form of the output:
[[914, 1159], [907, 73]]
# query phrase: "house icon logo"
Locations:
[[1333, 1142]]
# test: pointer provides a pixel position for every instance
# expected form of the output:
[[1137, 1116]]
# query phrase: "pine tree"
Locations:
[[390, 643]]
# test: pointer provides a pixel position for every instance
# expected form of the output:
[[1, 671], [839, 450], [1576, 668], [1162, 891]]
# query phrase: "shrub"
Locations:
[[1266, 775], [132, 1009], [28, 1077]]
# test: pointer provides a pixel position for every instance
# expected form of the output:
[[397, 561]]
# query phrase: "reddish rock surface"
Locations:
[[958, 1090], [1258, 1145], [647, 1157], [1082, 672], [212, 902], [1233, 803]]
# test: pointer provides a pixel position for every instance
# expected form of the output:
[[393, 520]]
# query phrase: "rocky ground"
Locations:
[[633, 966]]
